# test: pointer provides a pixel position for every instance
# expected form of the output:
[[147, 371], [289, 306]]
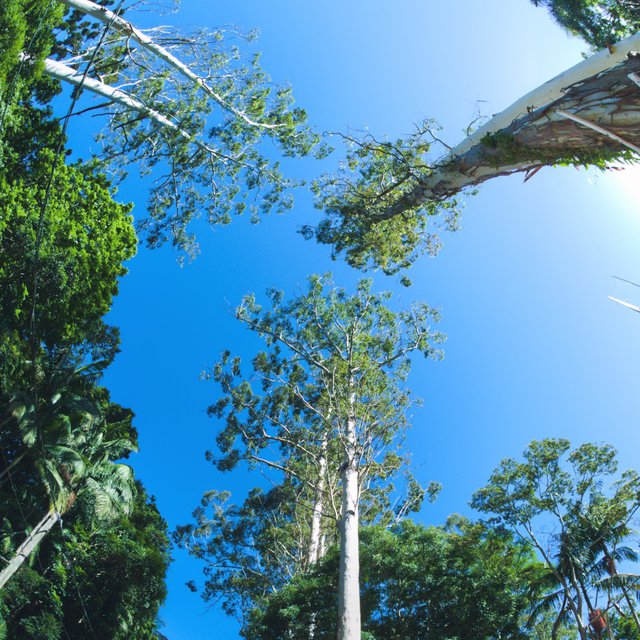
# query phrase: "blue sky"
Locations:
[[535, 348]]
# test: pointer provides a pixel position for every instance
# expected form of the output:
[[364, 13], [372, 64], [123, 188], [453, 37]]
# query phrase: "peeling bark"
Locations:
[[602, 89]]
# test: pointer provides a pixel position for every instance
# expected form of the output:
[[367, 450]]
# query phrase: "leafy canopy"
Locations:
[[600, 22], [367, 215], [461, 581]]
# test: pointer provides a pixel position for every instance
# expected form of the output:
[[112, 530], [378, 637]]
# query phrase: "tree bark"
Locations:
[[598, 89], [31, 542], [118, 23], [316, 550], [65, 73], [349, 577]]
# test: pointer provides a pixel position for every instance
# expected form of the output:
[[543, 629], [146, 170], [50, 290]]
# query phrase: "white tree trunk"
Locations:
[[31, 542], [315, 546], [349, 578], [599, 89], [118, 23], [551, 90], [65, 73]]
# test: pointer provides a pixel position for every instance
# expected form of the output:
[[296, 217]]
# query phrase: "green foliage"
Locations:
[[330, 357], [368, 215], [577, 511], [459, 581], [61, 437], [623, 627], [59, 271], [248, 550], [118, 571], [600, 22], [25, 27], [321, 347]]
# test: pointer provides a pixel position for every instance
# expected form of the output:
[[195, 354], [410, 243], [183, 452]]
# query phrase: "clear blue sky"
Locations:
[[535, 348]]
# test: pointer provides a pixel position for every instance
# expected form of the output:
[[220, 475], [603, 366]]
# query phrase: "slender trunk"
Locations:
[[537, 129], [318, 501], [118, 23], [316, 546], [577, 607], [349, 579], [629, 601], [611, 568], [32, 541], [65, 73], [14, 463], [595, 619]]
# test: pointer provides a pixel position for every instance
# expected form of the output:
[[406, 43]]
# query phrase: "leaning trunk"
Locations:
[[32, 541], [64, 73], [587, 114], [117, 23], [349, 578]]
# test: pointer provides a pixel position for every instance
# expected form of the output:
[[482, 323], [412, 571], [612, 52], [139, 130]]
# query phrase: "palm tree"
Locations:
[[66, 436], [604, 528]]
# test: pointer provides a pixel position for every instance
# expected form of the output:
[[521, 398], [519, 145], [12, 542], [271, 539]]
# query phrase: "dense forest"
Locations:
[[328, 547]]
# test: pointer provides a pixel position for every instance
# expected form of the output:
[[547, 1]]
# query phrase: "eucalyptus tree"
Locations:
[[191, 109], [327, 399], [577, 512], [391, 199]]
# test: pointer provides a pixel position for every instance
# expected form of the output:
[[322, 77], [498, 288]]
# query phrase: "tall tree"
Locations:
[[191, 109], [460, 581], [386, 206], [569, 491], [330, 386]]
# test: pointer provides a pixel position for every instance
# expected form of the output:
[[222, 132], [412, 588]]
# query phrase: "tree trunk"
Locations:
[[11, 466], [611, 569], [537, 130], [316, 550], [577, 606], [118, 23], [32, 541], [316, 542], [64, 73], [349, 579]]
